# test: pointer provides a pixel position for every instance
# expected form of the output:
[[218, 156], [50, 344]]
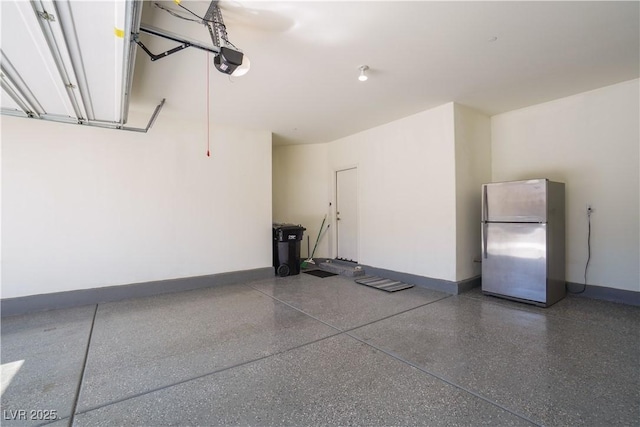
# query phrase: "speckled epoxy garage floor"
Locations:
[[309, 351]]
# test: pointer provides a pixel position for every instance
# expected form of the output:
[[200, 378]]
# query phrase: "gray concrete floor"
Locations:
[[303, 350]]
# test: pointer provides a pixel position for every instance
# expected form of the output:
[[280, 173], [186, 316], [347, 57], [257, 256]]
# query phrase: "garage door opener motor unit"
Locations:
[[286, 248]]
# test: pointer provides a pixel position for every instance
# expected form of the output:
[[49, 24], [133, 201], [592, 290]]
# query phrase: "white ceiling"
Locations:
[[303, 82]]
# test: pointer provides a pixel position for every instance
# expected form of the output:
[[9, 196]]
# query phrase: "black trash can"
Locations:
[[286, 249]]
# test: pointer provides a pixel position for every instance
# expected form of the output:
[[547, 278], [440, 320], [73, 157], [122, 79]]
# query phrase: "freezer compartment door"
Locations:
[[515, 260], [517, 201]]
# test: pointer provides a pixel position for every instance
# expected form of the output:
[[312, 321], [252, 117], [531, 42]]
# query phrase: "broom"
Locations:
[[310, 260]]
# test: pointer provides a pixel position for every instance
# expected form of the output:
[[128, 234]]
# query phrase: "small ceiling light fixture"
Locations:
[[363, 76], [243, 68]]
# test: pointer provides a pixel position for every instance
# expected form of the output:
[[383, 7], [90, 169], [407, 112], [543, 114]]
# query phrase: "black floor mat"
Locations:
[[383, 284], [320, 273]]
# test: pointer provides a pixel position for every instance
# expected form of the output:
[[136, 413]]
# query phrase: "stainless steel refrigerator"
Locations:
[[523, 241]]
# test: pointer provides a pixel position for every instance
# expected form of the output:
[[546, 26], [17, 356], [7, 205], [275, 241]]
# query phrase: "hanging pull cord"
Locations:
[[208, 116]]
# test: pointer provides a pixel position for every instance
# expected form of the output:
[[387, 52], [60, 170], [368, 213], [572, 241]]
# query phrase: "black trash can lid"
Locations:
[[277, 225]]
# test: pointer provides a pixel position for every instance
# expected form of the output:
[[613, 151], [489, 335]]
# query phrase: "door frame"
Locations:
[[334, 210]]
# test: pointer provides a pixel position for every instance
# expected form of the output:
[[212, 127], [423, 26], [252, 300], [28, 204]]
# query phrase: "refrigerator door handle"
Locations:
[[485, 218], [484, 238], [485, 204]]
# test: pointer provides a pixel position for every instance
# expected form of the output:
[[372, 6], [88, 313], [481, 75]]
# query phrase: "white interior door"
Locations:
[[347, 214]]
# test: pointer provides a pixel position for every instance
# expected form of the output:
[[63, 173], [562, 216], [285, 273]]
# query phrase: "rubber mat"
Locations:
[[383, 284], [320, 273]]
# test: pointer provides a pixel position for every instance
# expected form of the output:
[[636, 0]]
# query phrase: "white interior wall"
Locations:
[[301, 192], [85, 207], [473, 168], [590, 142], [406, 184], [406, 181]]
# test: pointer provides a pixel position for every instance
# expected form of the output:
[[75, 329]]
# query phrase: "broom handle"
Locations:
[[318, 239]]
